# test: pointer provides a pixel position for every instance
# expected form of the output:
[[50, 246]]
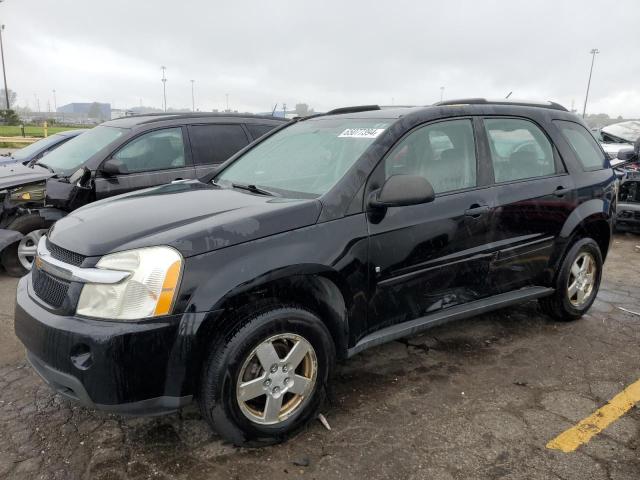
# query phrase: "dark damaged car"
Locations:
[[115, 157], [332, 235]]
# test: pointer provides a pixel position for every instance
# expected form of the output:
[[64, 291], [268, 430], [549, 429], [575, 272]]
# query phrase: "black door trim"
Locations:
[[477, 307]]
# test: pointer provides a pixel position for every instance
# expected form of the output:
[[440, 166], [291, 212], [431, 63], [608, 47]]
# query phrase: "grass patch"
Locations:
[[30, 130]]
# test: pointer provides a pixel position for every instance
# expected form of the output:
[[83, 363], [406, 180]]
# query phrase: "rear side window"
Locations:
[[213, 144], [257, 131], [583, 144], [519, 149]]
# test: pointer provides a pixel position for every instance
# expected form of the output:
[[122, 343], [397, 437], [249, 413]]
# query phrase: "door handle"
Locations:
[[476, 211], [561, 191]]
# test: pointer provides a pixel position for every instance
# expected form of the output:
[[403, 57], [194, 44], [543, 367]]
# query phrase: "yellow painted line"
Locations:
[[580, 434]]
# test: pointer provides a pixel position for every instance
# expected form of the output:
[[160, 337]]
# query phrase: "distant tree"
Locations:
[[13, 96], [9, 117], [303, 110]]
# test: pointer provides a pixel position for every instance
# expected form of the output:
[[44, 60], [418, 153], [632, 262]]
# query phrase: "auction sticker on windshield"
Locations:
[[361, 133]]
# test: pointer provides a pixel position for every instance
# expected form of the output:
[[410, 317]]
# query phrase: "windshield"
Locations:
[[67, 158], [36, 147], [306, 159], [629, 131]]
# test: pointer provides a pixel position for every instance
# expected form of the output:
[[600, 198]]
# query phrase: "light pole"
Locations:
[[227, 95], [593, 52], [441, 93], [164, 86], [55, 101], [193, 98], [4, 71]]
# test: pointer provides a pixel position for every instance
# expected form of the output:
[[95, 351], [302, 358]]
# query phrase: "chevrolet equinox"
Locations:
[[330, 235]]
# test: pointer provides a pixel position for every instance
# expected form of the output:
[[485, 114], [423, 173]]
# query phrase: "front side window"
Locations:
[[305, 159], [519, 149], [444, 153], [583, 144], [74, 153], [157, 150]]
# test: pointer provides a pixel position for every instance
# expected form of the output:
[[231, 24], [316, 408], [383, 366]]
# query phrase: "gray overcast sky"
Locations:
[[325, 53]]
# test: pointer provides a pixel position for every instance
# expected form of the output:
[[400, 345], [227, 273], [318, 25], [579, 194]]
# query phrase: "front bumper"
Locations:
[[133, 368]]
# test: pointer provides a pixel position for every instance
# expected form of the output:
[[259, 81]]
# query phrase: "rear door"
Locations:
[[213, 143], [430, 256], [152, 158], [533, 197]]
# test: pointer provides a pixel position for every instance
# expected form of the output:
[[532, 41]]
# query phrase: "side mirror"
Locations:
[[403, 190], [626, 154], [113, 166]]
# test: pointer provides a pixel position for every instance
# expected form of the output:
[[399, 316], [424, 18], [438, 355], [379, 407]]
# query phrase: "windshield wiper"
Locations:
[[253, 189], [43, 165]]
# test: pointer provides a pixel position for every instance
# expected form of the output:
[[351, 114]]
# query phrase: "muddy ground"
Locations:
[[472, 400]]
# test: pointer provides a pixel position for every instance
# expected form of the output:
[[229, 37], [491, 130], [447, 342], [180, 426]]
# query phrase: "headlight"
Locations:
[[28, 193], [149, 291]]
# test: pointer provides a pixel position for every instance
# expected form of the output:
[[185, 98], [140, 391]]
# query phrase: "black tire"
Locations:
[[558, 305], [217, 397], [24, 224]]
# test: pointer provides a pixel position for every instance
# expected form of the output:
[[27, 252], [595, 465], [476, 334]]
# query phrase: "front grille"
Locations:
[[50, 289], [65, 255]]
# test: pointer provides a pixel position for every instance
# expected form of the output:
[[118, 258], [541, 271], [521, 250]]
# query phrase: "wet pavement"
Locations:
[[474, 399]]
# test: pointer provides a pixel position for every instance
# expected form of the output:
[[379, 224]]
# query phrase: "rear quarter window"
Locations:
[[583, 144], [257, 131]]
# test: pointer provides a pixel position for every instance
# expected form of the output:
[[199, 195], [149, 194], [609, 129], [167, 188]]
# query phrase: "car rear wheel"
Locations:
[[577, 282], [266, 380], [17, 258]]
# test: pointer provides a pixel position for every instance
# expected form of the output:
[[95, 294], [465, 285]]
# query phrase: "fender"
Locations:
[[51, 213], [7, 237], [598, 208]]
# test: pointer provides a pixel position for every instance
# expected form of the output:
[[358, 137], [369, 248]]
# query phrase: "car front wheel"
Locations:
[[265, 380], [17, 258]]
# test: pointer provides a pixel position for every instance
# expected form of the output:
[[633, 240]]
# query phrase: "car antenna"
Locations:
[[508, 95]]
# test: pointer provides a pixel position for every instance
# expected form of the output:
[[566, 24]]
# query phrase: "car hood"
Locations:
[[629, 131], [191, 216], [15, 174]]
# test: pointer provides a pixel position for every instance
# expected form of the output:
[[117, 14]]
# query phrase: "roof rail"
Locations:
[[158, 117], [360, 108], [484, 101]]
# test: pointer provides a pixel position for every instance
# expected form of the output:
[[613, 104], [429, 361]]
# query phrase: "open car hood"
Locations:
[[16, 174]]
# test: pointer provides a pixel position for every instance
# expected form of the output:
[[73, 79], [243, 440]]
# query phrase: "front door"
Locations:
[[431, 256], [151, 159]]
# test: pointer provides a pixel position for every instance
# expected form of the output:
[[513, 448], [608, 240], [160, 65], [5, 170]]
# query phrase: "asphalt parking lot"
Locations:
[[475, 399]]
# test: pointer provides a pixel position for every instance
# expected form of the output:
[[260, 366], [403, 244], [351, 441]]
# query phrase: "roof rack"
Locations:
[[159, 116], [484, 101], [360, 108]]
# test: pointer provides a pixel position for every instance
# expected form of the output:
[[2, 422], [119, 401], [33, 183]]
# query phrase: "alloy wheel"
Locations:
[[582, 279], [277, 379], [28, 246]]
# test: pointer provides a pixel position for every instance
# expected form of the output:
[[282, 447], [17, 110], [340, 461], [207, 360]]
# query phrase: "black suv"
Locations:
[[331, 235], [116, 157]]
